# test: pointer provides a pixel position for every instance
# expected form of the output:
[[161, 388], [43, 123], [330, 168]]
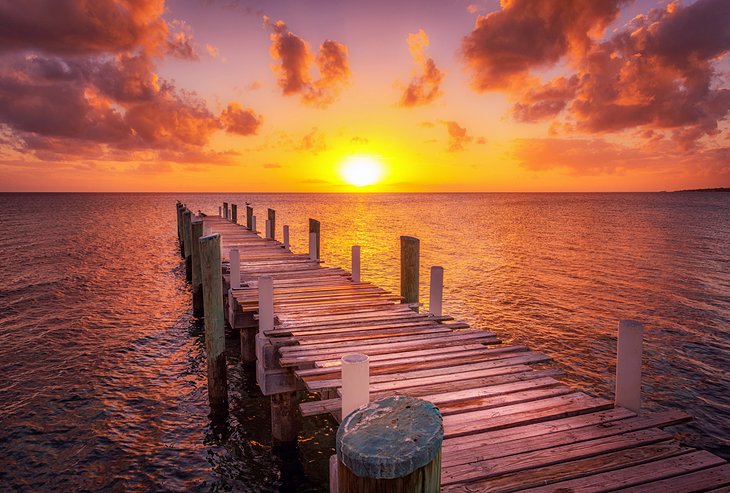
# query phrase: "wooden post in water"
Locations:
[[286, 238], [253, 224], [188, 239], [314, 228], [436, 296], [355, 263], [234, 213], [220, 211], [225, 210], [180, 236], [312, 246], [267, 230], [249, 217], [235, 268], [197, 279], [266, 303], [628, 365], [392, 445], [409, 263], [272, 220], [215, 336]]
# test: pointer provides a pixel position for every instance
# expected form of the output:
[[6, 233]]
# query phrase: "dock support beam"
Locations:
[[628, 365], [249, 218], [314, 227], [197, 231], [188, 240], [215, 337], [272, 220], [410, 249], [368, 461], [234, 213], [436, 296], [355, 263]]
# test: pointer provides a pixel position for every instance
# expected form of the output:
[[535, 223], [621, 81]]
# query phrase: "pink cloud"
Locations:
[[424, 87]]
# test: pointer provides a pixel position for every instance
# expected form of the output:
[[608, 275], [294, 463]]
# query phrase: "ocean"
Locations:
[[103, 365]]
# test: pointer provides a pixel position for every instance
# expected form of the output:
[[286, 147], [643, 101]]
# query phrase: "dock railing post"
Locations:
[[312, 246], [355, 263], [436, 296], [314, 227], [220, 211], [188, 239], [249, 218], [628, 365], [234, 213], [197, 232], [266, 303], [286, 238], [215, 337], [409, 264], [355, 382], [272, 220], [225, 210], [253, 224], [376, 449], [235, 268], [267, 230]]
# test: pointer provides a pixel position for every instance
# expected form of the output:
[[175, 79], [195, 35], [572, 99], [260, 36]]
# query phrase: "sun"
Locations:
[[361, 170]]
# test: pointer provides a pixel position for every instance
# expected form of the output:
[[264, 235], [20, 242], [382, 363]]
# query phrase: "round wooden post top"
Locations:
[[390, 438]]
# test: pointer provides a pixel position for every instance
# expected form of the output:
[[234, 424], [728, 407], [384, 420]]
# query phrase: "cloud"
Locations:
[[254, 86], [294, 62], [313, 142], [239, 120], [424, 87], [271, 165], [180, 41], [458, 136], [659, 72]]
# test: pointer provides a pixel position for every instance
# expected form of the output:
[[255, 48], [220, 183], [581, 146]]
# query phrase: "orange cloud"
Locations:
[[424, 87], [294, 62], [458, 136], [239, 120]]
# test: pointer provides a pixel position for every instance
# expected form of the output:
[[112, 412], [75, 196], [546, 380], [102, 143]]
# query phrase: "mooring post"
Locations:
[[249, 218], [436, 296], [188, 239], [286, 238], [179, 208], [314, 228], [390, 445], [355, 382], [234, 213], [197, 232], [266, 303], [225, 210], [409, 263], [267, 230], [215, 337], [272, 220], [628, 365], [253, 224], [235, 268], [220, 211], [355, 263], [312, 246]]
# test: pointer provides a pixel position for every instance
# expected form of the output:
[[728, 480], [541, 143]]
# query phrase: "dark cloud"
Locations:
[[242, 121], [295, 62], [425, 85]]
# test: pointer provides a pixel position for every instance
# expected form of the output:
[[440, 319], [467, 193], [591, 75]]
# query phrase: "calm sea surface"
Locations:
[[103, 366]]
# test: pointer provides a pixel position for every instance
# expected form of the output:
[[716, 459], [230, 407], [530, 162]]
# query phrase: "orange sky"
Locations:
[[224, 95]]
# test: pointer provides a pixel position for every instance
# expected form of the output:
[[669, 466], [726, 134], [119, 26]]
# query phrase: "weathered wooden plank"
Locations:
[[701, 480]]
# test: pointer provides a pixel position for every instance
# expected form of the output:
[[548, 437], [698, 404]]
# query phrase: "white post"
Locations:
[[253, 224], [435, 300], [235, 257], [268, 229], [355, 382], [355, 263], [266, 303], [628, 365], [312, 246], [286, 237]]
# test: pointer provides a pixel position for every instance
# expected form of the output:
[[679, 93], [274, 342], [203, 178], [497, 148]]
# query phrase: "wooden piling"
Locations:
[[267, 230], [253, 224], [234, 213], [272, 220], [285, 418], [225, 210], [286, 238], [197, 277], [391, 445], [314, 227], [180, 239], [235, 268], [436, 290], [355, 263], [409, 263], [249, 218], [215, 339], [188, 240], [628, 365]]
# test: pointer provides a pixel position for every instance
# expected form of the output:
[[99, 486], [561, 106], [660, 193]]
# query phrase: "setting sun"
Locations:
[[362, 170]]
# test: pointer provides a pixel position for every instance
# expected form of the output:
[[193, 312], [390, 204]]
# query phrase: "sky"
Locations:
[[438, 95]]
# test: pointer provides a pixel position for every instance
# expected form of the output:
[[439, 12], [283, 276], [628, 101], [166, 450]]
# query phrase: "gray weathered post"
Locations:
[[355, 263], [272, 220], [188, 239], [628, 365], [409, 263], [286, 237], [197, 278], [253, 224], [436, 296], [390, 445], [225, 210], [249, 217], [180, 237], [234, 213], [215, 337], [314, 228]]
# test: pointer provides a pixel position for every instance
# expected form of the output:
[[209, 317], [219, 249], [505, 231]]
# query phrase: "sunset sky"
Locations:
[[447, 95]]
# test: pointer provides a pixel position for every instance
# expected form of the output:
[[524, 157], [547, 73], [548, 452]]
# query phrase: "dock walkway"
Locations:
[[508, 426]]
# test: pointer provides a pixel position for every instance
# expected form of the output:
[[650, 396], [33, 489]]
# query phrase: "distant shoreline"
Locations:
[[703, 190]]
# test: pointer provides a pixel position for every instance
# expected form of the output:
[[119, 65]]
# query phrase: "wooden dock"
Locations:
[[508, 426]]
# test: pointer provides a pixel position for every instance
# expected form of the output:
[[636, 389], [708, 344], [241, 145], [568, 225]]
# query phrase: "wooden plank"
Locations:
[[701, 480]]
